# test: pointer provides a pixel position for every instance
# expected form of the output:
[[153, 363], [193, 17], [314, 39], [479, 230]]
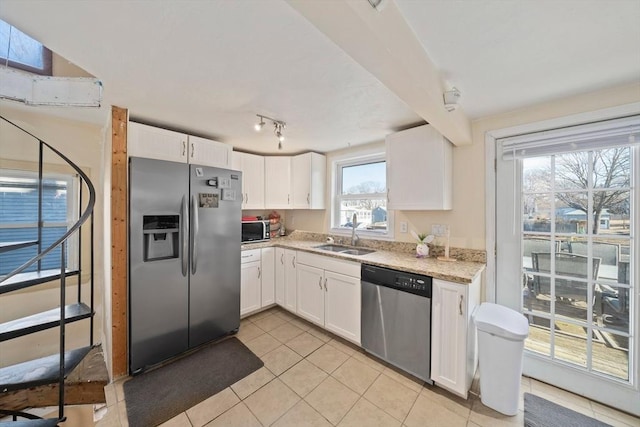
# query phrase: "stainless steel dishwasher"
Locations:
[[396, 318]]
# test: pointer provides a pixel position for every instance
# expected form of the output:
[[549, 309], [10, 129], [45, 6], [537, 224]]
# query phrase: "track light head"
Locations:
[[258, 126], [278, 126]]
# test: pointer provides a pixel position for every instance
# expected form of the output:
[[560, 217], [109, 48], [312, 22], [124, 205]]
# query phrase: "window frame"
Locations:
[[362, 157], [47, 59]]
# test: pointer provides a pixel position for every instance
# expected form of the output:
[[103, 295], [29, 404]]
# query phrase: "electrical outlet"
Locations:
[[403, 227]]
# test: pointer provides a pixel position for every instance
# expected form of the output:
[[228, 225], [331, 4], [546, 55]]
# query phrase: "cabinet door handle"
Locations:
[[325, 284], [282, 258], [308, 202], [184, 147], [320, 282], [460, 305], [259, 272], [193, 149], [288, 198], [388, 191], [293, 262], [247, 197]]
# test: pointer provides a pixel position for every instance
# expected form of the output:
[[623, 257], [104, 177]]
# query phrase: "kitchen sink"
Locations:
[[347, 250]]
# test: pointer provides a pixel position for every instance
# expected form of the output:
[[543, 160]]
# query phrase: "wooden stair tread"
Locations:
[[49, 422], [24, 280], [14, 246], [41, 371], [41, 321], [84, 385]]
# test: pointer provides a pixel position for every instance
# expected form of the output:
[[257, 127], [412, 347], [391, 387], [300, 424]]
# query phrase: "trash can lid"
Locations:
[[502, 321]]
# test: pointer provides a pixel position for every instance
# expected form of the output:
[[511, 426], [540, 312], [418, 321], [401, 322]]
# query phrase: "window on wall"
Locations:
[[18, 50], [361, 189], [19, 216]]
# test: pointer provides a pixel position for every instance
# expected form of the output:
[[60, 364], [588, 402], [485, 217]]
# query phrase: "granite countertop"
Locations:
[[459, 271]]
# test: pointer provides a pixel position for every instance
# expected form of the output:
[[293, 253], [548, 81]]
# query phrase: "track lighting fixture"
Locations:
[[278, 127]]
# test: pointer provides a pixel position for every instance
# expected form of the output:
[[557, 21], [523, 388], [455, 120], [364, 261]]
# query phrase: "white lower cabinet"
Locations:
[[257, 279], [328, 294], [268, 276], [290, 280], [311, 293], [250, 285], [454, 355], [279, 273]]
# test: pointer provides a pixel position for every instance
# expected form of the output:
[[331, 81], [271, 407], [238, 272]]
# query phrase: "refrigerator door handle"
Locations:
[[185, 237], [194, 228]]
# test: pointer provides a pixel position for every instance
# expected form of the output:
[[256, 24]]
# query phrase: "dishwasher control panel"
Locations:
[[419, 284], [400, 280]]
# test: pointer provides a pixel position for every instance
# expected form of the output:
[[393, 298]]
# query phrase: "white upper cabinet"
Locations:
[[162, 144], [309, 172], [155, 143], [252, 167], [207, 152], [419, 170], [277, 182]]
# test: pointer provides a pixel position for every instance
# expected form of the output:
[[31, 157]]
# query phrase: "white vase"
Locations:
[[422, 250]]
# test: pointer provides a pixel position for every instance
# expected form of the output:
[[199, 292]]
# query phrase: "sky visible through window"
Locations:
[[353, 178]]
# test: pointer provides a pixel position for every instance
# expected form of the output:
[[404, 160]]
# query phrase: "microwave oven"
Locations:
[[255, 231]]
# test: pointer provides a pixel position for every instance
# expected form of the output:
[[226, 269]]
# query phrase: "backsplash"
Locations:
[[462, 254]]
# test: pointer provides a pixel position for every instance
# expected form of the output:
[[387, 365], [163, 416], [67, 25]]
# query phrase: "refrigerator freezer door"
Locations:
[[215, 257], [158, 290]]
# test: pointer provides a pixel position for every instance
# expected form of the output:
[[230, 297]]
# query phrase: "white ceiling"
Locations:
[[208, 67]]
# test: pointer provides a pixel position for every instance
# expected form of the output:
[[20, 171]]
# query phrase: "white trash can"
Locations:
[[501, 335]]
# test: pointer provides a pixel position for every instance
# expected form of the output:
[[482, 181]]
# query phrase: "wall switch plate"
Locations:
[[439, 229], [403, 227]]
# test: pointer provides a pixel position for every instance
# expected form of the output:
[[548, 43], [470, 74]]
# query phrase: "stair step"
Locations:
[[41, 321], [14, 246], [50, 422], [41, 371], [24, 280]]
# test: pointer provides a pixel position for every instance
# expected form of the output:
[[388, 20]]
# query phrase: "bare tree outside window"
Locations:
[[611, 181]]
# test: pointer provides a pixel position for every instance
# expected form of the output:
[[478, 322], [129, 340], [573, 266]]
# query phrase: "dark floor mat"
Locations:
[[159, 395], [539, 412]]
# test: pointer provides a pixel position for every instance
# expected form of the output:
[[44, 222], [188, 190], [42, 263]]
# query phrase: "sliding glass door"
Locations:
[[566, 221]]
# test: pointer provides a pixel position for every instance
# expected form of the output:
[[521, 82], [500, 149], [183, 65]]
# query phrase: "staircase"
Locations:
[[53, 369]]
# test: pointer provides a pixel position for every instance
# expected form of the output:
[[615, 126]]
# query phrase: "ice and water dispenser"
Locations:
[[161, 235]]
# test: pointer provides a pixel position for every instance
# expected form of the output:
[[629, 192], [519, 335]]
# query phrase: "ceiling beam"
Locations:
[[384, 44], [33, 89]]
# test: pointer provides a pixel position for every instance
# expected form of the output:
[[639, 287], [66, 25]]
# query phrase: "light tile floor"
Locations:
[[312, 378]]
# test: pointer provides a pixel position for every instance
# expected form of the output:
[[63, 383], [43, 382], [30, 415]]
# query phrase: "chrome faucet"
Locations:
[[354, 224]]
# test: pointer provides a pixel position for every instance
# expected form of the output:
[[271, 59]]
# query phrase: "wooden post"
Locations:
[[119, 254]]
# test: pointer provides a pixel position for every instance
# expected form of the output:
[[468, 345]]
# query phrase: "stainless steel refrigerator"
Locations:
[[184, 258]]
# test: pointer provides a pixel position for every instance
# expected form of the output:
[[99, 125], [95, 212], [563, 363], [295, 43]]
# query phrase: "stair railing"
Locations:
[[61, 242]]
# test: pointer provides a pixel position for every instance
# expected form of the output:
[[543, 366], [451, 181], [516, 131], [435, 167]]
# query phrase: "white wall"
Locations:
[[467, 218]]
